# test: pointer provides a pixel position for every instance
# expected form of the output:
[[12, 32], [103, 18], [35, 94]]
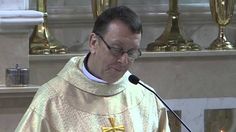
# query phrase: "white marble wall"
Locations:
[[15, 27], [11, 111], [14, 4], [189, 76], [13, 52]]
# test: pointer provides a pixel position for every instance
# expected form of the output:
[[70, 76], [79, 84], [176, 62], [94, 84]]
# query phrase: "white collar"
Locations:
[[91, 76]]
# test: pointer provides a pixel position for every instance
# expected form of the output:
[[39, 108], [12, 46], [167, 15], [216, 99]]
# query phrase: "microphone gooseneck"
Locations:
[[135, 80]]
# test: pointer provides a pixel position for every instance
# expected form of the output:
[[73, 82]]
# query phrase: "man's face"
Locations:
[[108, 66]]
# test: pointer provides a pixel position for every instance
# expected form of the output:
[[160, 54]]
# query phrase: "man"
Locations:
[[92, 93]]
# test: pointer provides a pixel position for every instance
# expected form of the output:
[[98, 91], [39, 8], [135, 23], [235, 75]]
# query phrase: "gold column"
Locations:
[[222, 11], [172, 39], [98, 6], [41, 41]]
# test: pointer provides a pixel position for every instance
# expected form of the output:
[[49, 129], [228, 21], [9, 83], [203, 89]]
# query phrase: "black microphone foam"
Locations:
[[134, 79]]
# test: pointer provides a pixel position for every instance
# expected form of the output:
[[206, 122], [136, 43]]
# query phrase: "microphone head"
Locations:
[[134, 79]]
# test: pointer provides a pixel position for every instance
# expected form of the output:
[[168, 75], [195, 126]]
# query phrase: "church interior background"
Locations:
[[199, 85]]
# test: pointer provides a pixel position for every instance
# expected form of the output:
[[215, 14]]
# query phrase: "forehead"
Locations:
[[117, 26], [120, 33]]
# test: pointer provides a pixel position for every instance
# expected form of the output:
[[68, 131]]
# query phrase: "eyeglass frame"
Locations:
[[120, 51]]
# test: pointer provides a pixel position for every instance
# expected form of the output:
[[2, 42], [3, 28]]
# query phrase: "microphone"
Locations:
[[135, 80]]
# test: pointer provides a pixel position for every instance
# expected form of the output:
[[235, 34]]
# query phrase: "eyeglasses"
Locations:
[[132, 53]]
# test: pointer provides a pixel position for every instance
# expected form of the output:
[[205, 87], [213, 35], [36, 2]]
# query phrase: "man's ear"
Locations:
[[93, 41]]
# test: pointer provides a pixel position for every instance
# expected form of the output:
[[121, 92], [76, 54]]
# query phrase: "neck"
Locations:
[[94, 69], [89, 63]]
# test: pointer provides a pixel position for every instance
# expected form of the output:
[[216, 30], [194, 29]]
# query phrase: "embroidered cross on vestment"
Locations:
[[113, 128]]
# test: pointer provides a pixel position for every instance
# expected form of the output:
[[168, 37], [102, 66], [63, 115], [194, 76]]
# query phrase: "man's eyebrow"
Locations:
[[119, 45]]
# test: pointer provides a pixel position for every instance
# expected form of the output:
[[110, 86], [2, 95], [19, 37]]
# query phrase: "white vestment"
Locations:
[[71, 102]]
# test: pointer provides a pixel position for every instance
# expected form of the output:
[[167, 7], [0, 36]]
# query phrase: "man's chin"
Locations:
[[114, 79]]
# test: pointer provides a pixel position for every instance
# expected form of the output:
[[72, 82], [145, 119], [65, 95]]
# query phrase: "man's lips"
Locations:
[[119, 69]]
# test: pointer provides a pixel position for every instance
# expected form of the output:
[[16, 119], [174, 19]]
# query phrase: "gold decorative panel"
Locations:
[[220, 120], [175, 124]]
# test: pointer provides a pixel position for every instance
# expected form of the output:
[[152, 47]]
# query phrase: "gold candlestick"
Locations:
[[172, 39], [98, 6], [41, 41], [222, 11]]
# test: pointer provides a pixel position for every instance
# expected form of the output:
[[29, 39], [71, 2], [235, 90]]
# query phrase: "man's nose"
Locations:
[[124, 59]]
